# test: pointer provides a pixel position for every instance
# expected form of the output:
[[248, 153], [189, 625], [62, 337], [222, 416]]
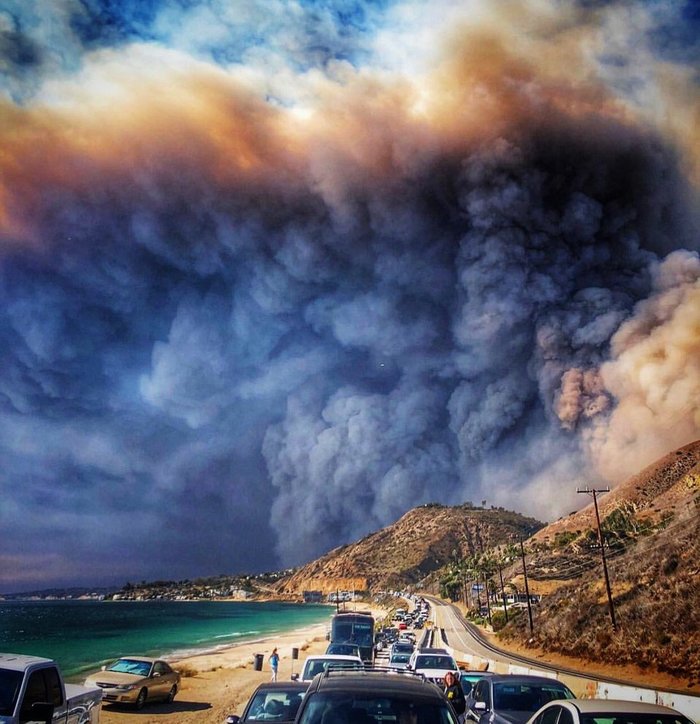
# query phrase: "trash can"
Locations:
[[258, 662], [295, 653]]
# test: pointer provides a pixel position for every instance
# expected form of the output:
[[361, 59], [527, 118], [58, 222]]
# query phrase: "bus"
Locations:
[[355, 628]]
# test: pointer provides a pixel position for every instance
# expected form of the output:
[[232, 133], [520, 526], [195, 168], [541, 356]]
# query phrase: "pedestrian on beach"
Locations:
[[455, 695], [274, 663]]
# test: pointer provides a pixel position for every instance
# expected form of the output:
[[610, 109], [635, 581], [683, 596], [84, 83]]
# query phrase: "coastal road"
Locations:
[[459, 636]]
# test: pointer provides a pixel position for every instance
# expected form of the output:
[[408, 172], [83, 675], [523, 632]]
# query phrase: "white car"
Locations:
[[334, 662], [433, 664], [606, 711]]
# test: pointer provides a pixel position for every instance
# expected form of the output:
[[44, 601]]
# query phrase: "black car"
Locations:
[[511, 698], [278, 701], [372, 697]]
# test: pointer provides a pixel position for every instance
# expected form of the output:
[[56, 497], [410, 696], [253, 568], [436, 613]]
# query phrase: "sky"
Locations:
[[274, 272]]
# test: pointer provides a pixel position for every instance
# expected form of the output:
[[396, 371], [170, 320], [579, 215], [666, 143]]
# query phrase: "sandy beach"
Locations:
[[217, 684]]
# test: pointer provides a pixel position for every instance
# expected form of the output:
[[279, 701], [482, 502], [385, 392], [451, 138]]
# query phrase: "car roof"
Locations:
[[282, 686], [377, 682], [612, 706], [332, 657], [432, 651], [523, 679], [18, 662]]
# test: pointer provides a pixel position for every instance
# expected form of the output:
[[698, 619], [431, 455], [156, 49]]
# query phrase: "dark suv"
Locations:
[[371, 697]]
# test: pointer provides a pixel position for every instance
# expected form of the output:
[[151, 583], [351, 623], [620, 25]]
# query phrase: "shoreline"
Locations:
[[218, 683]]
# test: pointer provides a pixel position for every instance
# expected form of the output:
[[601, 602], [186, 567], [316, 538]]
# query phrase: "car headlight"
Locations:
[[125, 687]]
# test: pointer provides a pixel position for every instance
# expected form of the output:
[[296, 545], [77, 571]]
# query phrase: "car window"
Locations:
[[130, 666], [550, 716], [482, 693], [53, 686], [565, 717], [160, 667], [267, 705], [10, 682], [35, 691], [514, 696]]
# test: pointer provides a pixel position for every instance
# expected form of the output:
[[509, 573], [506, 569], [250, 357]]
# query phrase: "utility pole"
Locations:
[[594, 492], [488, 604], [503, 593], [527, 588]]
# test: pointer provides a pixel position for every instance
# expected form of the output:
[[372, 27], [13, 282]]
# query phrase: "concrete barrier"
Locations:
[[588, 688]]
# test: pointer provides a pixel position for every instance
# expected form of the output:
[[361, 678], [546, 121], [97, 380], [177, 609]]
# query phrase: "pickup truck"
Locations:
[[32, 690]]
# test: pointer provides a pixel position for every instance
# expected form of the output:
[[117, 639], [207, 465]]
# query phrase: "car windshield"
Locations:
[[318, 666], [346, 649], [368, 708], [131, 666], [274, 704], [435, 662], [623, 718], [527, 697], [10, 682], [400, 658]]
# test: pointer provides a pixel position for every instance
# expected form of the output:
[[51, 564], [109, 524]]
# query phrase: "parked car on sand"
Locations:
[[606, 711], [272, 701], [136, 680]]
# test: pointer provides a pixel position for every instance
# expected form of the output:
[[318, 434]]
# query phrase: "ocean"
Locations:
[[83, 635]]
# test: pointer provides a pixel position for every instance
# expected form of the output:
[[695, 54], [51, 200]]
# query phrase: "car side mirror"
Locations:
[[233, 719], [295, 677], [156, 674]]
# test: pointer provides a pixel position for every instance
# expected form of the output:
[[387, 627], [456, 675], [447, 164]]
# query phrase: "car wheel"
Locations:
[[141, 698], [171, 694]]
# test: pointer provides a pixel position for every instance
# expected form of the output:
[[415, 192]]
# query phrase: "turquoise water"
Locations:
[[83, 635]]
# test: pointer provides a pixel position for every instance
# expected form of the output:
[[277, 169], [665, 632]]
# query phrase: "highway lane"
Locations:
[[459, 638]]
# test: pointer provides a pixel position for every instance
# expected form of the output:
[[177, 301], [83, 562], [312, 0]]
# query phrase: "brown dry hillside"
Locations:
[[404, 553], [651, 525]]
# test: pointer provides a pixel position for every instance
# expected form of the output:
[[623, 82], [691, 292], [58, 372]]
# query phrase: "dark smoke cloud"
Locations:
[[245, 331]]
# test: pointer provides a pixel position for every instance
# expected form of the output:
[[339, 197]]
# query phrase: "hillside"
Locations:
[[651, 525], [404, 553]]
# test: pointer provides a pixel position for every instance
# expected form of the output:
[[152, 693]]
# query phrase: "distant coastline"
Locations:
[[83, 635]]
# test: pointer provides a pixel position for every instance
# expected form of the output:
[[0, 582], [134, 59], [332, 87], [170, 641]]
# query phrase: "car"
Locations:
[[136, 680], [372, 697], [399, 661], [402, 647], [512, 698], [272, 701], [469, 677], [606, 711], [346, 649], [433, 664], [322, 662]]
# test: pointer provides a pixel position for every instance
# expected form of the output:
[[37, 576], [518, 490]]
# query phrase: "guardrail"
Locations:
[[586, 687]]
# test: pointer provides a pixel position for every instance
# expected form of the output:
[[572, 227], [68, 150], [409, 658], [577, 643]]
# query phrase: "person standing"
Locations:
[[455, 695], [274, 663]]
